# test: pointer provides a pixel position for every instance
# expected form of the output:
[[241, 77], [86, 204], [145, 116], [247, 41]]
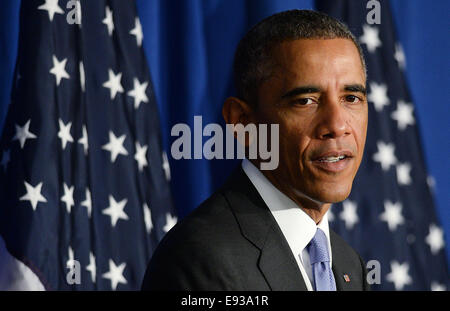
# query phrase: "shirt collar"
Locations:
[[297, 227]]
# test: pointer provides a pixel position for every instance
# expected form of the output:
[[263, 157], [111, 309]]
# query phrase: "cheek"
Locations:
[[294, 140], [361, 130], [359, 125]]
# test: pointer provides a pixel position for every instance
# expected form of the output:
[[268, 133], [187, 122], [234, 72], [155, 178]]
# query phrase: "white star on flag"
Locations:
[[64, 133], [115, 210], [82, 77], [403, 115], [138, 92], [330, 214], [91, 267], [23, 133], [137, 31], [165, 165], [108, 20], [385, 155], [399, 56], [437, 287], [113, 83], [140, 156], [170, 222], [67, 198], [115, 274], [370, 38], [348, 214], [5, 159], [33, 195], [378, 96], [147, 218], [71, 260], [399, 275], [115, 146], [58, 69], [431, 182], [84, 140], [403, 174], [88, 202], [392, 214], [52, 7], [435, 239]]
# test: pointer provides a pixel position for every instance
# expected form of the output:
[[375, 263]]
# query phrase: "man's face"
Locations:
[[317, 96]]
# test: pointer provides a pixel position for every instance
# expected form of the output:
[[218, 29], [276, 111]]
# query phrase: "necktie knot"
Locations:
[[318, 248]]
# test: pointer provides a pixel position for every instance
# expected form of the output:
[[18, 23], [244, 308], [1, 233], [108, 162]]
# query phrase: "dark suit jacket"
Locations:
[[232, 242]]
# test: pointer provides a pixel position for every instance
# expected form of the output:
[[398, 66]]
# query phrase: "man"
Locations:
[[268, 230]]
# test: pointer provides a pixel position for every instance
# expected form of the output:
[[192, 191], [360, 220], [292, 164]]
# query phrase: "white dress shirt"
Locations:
[[298, 228]]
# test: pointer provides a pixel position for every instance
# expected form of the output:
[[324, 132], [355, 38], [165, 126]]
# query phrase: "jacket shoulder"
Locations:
[[208, 219], [195, 254]]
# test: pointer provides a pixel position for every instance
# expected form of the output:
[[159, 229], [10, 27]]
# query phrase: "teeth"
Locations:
[[332, 159]]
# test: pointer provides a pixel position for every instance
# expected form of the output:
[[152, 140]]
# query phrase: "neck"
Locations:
[[313, 208]]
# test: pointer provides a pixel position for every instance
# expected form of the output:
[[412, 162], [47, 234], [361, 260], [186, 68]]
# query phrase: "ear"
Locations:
[[236, 111]]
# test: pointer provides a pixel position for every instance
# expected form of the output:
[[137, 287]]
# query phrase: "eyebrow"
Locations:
[[302, 90], [309, 89], [355, 88]]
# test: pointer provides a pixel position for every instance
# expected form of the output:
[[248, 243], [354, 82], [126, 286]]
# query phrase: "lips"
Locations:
[[333, 161], [333, 154]]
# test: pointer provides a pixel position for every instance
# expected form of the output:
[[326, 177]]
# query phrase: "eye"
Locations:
[[303, 101], [352, 99]]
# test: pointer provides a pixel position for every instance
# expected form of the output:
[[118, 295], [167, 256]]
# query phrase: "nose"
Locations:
[[333, 121]]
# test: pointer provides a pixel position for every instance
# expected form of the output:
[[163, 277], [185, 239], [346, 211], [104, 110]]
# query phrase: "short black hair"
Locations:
[[253, 57]]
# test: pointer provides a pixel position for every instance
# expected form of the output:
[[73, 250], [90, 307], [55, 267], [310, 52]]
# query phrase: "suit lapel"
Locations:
[[282, 274], [258, 225], [345, 275]]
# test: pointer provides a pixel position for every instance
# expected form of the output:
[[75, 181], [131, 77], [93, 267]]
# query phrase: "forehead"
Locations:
[[318, 59]]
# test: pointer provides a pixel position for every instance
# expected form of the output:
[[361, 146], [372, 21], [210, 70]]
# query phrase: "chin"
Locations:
[[333, 193]]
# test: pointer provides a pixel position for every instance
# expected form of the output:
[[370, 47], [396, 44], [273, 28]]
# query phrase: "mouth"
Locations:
[[333, 161]]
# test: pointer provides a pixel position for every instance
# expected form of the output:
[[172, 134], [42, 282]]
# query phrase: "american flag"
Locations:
[[83, 177], [390, 216]]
